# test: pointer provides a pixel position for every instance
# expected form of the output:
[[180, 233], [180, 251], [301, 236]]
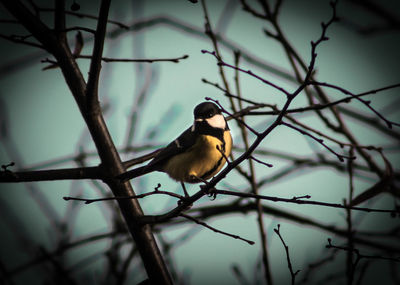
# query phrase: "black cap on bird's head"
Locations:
[[206, 110]]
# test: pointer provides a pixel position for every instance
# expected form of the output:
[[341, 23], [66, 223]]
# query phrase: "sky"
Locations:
[[41, 123]]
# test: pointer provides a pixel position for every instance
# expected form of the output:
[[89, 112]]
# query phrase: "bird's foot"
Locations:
[[210, 191]]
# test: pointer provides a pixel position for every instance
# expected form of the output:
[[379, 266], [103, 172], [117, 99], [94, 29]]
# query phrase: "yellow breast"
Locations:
[[202, 160]]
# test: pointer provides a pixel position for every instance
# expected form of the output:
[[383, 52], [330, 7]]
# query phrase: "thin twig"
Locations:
[[320, 141], [299, 201], [82, 15], [62, 249], [292, 274], [249, 72], [149, 60], [21, 40], [365, 102], [244, 208], [360, 255], [327, 105], [260, 161], [239, 98], [312, 267], [214, 229], [350, 235], [139, 196]]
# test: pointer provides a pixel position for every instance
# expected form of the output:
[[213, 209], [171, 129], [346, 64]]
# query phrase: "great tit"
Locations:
[[196, 155]]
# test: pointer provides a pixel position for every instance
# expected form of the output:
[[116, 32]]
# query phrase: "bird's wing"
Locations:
[[186, 140]]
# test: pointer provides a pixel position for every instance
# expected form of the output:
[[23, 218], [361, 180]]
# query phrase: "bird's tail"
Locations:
[[135, 173]]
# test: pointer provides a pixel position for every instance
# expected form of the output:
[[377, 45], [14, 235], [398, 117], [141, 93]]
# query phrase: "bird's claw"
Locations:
[[209, 191]]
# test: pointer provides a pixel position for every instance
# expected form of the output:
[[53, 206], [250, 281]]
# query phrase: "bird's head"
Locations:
[[210, 114]]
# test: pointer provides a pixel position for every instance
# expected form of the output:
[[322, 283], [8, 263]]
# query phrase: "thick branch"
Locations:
[[111, 162], [95, 64], [93, 172]]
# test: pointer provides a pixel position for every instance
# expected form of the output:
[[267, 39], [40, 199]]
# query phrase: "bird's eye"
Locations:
[[210, 115]]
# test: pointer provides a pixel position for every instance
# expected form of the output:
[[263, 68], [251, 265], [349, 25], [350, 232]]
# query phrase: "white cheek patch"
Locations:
[[217, 121]]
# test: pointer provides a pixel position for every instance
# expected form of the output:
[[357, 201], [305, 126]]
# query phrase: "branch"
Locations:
[[82, 15], [359, 255], [370, 121], [295, 200], [155, 192], [292, 274], [95, 64], [107, 59], [131, 210], [21, 40], [340, 143], [260, 161], [239, 98], [62, 249], [357, 97], [170, 22], [79, 28], [317, 106], [59, 19], [214, 229], [93, 172], [249, 72], [205, 190], [320, 141], [215, 211], [314, 266]]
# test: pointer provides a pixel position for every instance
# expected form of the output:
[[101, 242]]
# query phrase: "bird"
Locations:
[[198, 154]]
